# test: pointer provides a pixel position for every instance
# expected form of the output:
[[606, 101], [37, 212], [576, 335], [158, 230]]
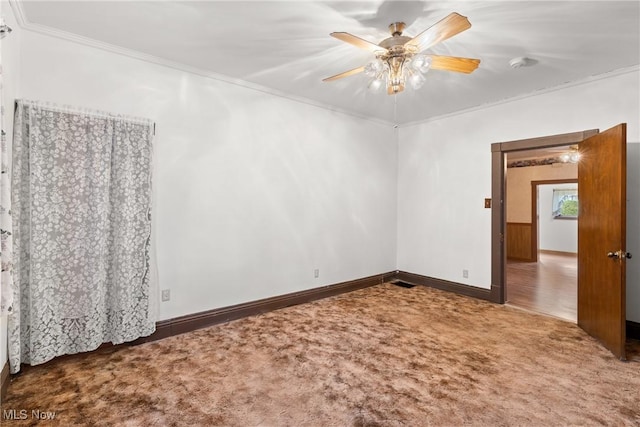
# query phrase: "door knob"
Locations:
[[619, 255]]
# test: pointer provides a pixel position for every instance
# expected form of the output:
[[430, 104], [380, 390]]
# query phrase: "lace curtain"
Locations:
[[81, 194], [6, 243]]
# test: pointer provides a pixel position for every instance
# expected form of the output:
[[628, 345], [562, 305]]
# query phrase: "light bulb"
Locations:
[[565, 157], [373, 68], [421, 63], [375, 85], [416, 80]]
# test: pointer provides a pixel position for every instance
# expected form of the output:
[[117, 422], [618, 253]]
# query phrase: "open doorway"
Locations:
[[502, 228], [602, 228], [545, 279]]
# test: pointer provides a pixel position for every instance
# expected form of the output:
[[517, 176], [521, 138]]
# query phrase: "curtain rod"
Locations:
[[80, 110]]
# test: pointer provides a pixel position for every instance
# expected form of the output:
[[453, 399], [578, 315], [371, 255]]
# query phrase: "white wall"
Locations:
[[555, 234], [445, 172], [443, 226], [252, 191]]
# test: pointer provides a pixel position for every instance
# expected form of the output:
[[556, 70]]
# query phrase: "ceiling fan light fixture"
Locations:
[[398, 58], [421, 63], [375, 84], [374, 68], [396, 70], [396, 87], [416, 80]]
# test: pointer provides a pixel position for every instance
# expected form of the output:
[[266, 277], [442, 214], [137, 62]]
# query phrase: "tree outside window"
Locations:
[[565, 203]]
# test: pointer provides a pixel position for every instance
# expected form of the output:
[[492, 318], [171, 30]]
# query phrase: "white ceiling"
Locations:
[[285, 46]]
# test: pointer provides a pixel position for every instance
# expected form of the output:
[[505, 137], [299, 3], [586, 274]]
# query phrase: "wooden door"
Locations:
[[602, 179]]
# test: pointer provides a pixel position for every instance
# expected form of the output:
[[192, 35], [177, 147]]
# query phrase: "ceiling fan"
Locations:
[[399, 58]]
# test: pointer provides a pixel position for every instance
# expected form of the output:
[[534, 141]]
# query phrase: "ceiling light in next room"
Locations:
[[571, 156]]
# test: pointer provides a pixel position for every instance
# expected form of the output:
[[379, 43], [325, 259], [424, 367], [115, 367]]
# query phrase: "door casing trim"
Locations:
[[498, 193], [535, 226]]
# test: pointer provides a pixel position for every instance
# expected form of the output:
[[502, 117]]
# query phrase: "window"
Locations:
[[565, 203]]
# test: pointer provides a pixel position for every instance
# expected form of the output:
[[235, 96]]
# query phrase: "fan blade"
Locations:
[[345, 74], [357, 42], [447, 27], [453, 63]]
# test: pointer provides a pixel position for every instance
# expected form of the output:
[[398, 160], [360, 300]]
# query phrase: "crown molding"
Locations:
[[18, 12], [550, 89], [23, 22]]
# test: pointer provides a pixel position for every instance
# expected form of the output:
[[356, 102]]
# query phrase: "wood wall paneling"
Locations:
[[520, 241]]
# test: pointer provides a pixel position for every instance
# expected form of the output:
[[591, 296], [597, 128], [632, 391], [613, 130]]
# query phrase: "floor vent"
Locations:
[[403, 284]]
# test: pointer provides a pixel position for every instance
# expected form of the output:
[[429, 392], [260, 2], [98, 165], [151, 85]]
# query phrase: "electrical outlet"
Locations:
[[166, 295], [465, 274], [316, 273]]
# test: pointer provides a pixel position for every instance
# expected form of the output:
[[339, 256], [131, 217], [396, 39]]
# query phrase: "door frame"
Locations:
[[498, 194], [534, 210]]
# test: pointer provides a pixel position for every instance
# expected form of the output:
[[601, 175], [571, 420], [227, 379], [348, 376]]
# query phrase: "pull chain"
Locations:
[[395, 111]]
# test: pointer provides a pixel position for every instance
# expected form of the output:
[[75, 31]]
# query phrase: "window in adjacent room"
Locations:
[[565, 203]]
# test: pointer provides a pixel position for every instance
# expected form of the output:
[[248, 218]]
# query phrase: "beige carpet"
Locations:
[[382, 356]]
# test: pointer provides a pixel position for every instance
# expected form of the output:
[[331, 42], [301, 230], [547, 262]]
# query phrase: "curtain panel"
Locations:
[[6, 223], [81, 194]]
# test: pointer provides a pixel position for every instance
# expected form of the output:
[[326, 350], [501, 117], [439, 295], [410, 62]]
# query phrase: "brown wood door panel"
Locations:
[[602, 229]]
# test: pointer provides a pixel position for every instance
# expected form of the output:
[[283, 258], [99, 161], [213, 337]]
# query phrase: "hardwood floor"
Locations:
[[548, 286]]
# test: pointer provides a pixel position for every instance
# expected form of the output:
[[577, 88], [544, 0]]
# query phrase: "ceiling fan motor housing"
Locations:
[[397, 28]]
